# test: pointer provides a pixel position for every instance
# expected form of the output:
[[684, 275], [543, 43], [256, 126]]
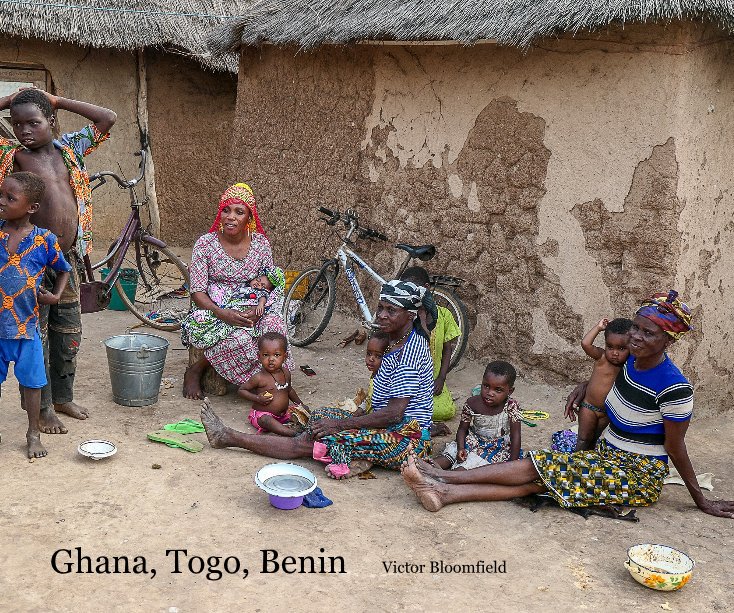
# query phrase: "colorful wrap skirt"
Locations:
[[602, 476], [388, 448]]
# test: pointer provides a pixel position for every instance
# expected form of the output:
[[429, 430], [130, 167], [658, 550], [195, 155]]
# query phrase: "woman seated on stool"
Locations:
[[234, 251]]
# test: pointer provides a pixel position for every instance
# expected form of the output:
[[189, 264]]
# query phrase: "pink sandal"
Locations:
[[321, 453], [338, 470]]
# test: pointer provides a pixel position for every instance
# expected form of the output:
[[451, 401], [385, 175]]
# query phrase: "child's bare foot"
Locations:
[[35, 448], [357, 467], [216, 431], [426, 489], [192, 383], [49, 422], [72, 409]]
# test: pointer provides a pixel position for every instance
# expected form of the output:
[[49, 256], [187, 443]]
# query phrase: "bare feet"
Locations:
[[192, 382], [428, 490], [35, 448], [216, 431], [72, 409], [49, 422], [357, 467], [427, 467]]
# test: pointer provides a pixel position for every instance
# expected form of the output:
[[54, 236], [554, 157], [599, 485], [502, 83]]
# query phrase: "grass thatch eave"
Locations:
[[125, 24], [309, 23]]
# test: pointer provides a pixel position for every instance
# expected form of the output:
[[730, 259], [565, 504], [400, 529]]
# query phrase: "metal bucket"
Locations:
[[136, 367]]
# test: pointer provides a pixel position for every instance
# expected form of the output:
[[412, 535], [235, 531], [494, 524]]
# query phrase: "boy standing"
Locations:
[[25, 252], [66, 210]]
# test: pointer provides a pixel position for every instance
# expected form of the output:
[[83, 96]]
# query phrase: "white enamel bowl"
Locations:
[[97, 449]]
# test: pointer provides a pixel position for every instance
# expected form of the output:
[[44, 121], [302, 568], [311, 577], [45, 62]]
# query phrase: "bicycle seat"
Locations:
[[421, 252]]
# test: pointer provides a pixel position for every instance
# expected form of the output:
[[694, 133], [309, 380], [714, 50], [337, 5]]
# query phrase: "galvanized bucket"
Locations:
[[136, 367]]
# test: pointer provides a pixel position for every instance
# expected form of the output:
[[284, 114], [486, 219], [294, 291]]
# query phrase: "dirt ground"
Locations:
[[208, 504]]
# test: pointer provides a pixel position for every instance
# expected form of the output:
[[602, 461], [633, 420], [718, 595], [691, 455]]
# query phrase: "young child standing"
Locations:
[[592, 413], [25, 252], [67, 211], [489, 429], [442, 342], [270, 389]]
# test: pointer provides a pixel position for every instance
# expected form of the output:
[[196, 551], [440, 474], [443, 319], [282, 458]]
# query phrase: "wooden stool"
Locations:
[[212, 383]]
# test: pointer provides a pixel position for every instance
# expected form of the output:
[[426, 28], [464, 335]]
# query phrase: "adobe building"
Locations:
[[147, 61], [565, 164]]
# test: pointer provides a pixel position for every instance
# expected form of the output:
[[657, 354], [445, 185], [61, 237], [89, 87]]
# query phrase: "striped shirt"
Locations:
[[640, 401], [407, 373]]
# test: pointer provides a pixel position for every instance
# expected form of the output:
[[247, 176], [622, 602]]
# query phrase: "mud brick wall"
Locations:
[[564, 184]]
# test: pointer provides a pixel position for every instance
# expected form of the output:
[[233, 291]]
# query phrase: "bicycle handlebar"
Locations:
[[350, 219], [120, 181]]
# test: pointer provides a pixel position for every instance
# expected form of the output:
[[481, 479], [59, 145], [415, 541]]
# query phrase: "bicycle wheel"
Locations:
[[446, 298], [308, 306], [162, 297]]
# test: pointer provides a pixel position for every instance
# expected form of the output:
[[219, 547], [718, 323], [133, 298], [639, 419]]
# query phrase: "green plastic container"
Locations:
[[129, 281]]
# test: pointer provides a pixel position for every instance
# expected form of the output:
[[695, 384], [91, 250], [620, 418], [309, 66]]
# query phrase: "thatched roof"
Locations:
[[308, 23], [181, 25]]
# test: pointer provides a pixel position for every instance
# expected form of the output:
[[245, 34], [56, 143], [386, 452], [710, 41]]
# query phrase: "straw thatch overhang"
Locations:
[[309, 23], [177, 25]]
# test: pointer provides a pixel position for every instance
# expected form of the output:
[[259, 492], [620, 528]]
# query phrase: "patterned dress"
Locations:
[[404, 373], [219, 275], [488, 439], [629, 463]]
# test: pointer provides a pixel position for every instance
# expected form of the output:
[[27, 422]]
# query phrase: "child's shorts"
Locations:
[[255, 415], [27, 353]]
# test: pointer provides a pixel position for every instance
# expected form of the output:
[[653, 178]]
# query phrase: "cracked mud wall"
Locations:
[[541, 178], [102, 76]]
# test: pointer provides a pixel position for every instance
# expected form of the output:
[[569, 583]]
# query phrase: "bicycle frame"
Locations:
[[132, 229], [345, 256]]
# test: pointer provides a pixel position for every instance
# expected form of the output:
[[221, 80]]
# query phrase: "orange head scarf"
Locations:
[[239, 193]]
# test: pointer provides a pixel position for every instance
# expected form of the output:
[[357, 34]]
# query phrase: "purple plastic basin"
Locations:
[[287, 504]]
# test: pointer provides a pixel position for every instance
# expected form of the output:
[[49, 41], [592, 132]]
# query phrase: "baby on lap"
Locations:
[[254, 296], [202, 329]]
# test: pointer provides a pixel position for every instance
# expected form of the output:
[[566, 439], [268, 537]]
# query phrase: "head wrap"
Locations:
[[239, 193], [668, 312], [275, 275], [404, 294]]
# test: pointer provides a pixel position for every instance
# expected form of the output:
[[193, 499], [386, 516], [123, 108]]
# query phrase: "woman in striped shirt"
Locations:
[[402, 404], [649, 407]]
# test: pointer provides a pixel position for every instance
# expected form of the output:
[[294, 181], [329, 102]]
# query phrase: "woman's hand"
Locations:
[[233, 318], [327, 427], [252, 317], [718, 508], [462, 455], [574, 400], [438, 385]]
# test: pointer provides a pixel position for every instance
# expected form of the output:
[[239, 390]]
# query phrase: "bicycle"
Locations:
[[310, 300], [162, 295]]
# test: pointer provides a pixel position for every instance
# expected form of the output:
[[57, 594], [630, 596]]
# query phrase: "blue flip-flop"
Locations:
[[316, 500]]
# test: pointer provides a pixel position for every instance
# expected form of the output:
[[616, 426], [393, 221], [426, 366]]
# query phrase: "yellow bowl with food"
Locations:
[[659, 567]]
